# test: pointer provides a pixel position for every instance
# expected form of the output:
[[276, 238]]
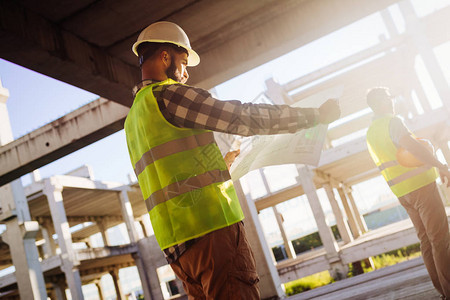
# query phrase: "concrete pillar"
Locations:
[[117, 286], [410, 79], [53, 191], [127, 215], [59, 289], [21, 238], [48, 230], [287, 243], [337, 269], [328, 240], [36, 176], [147, 223], [49, 245], [420, 40], [152, 260], [443, 145], [99, 289], [270, 283], [144, 228], [102, 225], [342, 225], [359, 218], [20, 232], [143, 275], [349, 212]]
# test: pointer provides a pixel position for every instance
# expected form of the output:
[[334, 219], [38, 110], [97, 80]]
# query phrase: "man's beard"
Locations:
[[171, 72]]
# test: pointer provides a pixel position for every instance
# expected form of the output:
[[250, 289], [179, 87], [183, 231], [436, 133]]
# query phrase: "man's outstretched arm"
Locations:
[[190, 107]]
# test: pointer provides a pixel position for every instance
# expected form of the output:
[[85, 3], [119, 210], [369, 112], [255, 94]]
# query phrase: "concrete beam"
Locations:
[[303, 266], [72, 132], [97, 253], [279, 30], [86, 183], [38, 44]]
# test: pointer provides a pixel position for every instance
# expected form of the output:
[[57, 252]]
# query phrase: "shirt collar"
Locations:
[[141, 85]]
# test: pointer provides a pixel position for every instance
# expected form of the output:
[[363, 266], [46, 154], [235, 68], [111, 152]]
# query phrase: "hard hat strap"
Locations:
[[144, 57]]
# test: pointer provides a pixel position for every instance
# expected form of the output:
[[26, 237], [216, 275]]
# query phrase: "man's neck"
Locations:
[[153, 71]]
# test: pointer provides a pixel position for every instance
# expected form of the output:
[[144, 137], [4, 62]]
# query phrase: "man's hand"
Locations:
[[230, 157], [329, 111], [445, 174]]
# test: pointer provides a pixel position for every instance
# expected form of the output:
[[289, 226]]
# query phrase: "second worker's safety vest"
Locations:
[[401, 180], [182, 175]]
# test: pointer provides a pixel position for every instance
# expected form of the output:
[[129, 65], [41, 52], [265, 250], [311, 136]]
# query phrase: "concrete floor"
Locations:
[[406, 280]]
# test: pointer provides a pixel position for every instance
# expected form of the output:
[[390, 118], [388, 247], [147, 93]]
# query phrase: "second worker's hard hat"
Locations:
[[167, 32]]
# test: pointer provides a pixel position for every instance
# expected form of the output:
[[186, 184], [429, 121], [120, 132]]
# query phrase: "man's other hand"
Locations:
[[445, 175], [230, 157], [329, 111]]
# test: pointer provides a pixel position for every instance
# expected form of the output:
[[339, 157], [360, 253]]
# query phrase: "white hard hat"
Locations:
[[167, 32]]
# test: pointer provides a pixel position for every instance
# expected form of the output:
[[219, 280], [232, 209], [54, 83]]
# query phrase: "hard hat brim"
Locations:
[[193, 57]]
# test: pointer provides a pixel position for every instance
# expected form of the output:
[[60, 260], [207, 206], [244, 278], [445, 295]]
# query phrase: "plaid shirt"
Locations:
[[190, 107]]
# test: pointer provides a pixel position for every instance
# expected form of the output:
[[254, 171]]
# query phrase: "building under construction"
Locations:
[[82, 44]]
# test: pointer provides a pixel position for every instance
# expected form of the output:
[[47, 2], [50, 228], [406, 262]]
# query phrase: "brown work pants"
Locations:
[[427, 212], [219, 266]]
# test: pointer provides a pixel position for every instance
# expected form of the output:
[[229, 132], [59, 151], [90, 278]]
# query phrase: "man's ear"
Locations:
[[165, 57]]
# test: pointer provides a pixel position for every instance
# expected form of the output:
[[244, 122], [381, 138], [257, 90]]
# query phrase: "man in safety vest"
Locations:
[[415, 187], [193, 206]]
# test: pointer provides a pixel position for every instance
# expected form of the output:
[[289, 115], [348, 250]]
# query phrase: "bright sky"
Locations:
[[36, 99]]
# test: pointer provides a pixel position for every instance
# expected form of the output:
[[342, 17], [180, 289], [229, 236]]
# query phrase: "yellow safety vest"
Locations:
[[184, 180], [401, 180]]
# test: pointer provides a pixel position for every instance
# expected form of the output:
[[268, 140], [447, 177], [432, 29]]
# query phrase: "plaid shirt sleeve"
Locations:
[[189, 107]]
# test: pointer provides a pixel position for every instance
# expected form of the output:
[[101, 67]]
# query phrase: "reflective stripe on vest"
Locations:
[[181, 187], [184, 180], [172, 147], [401, 180], [388, 164], [408, 175]]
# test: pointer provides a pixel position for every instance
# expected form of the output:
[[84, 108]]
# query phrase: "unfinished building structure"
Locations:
[[54, 205]]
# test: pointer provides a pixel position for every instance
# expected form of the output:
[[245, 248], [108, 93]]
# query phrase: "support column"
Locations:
[[21, 239], [47, 234], [59, 289], [20, 232], [102, 225], [337, 269], [270, 283], [53, 191], [342, 226], [117, 286], [144, 228], [99, 289], [420, 40], [152, 260], [127, 215], [143, 275], [287, 243], [359, 218], [443, 145], [349, 212]]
